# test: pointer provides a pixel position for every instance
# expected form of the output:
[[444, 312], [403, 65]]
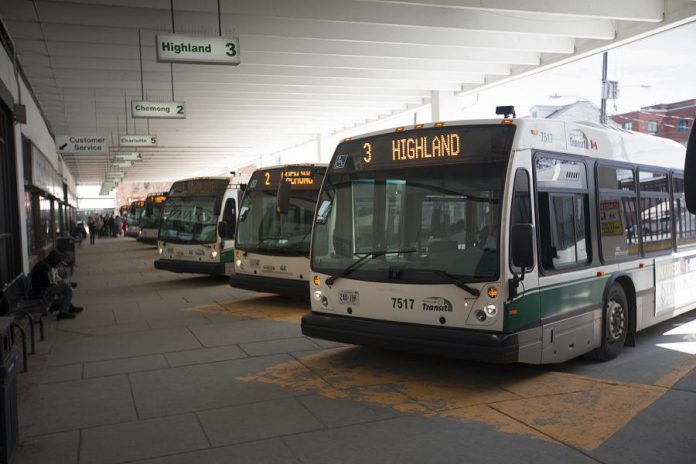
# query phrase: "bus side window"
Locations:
[[521, 206]]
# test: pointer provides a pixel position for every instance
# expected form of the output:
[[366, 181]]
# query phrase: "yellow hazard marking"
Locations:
[[576, 410], [266, 307]]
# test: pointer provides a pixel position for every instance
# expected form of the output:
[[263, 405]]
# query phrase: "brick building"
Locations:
[[669, 120]]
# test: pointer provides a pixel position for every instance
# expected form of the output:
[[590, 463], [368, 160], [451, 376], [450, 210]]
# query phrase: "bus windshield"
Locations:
[[445, 220], [151, 221], [135, 214], [262, 229], [189, 219]]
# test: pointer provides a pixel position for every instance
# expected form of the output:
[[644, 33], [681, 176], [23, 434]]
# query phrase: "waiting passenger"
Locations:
[[46, 279]]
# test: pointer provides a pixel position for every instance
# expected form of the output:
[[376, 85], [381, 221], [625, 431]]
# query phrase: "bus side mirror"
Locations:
[[690, 172], [283, 199], [522, 246], [323, 212]]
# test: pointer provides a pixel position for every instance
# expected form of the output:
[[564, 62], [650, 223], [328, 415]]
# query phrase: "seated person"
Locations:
[[46, 280]]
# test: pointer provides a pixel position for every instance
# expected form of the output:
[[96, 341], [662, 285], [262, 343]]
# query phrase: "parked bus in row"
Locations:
[[274, 229], [150, 219], [196, 234], [513, 240], [135, 212]]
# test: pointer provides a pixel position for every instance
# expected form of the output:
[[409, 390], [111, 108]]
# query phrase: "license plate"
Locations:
[[348, 297], [179, 253]]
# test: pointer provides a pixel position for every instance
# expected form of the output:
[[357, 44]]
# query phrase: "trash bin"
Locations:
[[9, 432]]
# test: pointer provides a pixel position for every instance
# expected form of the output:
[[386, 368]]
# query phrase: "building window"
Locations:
[[683, 125], [628, 125], [652, 127]]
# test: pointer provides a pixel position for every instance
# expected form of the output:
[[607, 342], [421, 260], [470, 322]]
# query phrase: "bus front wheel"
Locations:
[[614, 323]]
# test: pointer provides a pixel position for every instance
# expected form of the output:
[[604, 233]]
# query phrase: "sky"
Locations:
[[658, 69]]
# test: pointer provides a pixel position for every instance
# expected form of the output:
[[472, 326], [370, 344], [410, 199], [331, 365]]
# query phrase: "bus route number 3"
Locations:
[[368, 152], [402, 303]]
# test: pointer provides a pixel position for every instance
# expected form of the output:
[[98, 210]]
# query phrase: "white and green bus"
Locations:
[[196, 234], [135, 213], [274, 230], [513, 240], [150, 219]]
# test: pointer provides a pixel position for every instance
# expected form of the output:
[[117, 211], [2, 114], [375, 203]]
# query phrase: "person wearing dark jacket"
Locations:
[[44, 278]]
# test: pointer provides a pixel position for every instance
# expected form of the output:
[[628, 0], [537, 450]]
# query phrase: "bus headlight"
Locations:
[[239, 263], [213, 254], [161, 250], [317, 295], [491, 310]]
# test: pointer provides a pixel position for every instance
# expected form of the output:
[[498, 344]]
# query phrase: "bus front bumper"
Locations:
[[441, 341], [191, 267], [288, 287]]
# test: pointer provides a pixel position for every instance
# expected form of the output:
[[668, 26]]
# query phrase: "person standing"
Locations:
[[98, 225], [117, 226], [92, 226], [110, 226]]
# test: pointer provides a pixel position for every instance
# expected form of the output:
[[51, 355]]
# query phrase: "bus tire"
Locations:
[[615, 324]]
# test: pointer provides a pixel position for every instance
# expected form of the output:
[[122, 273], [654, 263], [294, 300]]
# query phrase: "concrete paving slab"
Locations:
[[88, 318], [245, 331], [663, 432], [130, 441], [117, 346], [83, 403], [419, 440], [61, 373], [337, 412], [286, 345], [257, 421], [272, 451], [117, 329], [125, 365], [59, 448], [645, 363], [205, 355], [203, 386], [182, 319]]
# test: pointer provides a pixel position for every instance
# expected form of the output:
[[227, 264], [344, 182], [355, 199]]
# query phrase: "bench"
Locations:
[[27, 308]]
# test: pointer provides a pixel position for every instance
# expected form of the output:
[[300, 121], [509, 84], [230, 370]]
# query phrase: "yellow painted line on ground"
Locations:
[[578, 411]]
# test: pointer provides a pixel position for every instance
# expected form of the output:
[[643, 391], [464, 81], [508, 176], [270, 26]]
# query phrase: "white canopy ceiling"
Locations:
[[308, 67]]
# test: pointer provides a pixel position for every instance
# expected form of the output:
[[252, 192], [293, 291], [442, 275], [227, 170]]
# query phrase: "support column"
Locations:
[[326, 144], [444, 106]]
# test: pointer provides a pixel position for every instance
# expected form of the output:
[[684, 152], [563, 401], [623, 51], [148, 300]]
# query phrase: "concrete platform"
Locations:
[[175, 368]]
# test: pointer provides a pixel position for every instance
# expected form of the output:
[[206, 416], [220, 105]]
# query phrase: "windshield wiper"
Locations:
[[370, 255], [452, 278]]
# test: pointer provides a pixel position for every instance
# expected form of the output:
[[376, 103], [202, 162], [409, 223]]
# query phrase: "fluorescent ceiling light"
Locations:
[[123, 164]]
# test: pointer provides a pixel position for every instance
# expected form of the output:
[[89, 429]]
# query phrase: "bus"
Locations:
[[150, 219], [196, 234], [135, 212], [123, 210], [507, 240], [274, 229]]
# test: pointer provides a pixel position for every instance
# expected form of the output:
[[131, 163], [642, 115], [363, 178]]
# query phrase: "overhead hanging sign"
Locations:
[[152, 109], [177, 48], [89, 144], [144, 140]]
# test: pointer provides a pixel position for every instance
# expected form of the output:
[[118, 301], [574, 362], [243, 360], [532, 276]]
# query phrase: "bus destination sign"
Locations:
[[423, 147], [301, 178]]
